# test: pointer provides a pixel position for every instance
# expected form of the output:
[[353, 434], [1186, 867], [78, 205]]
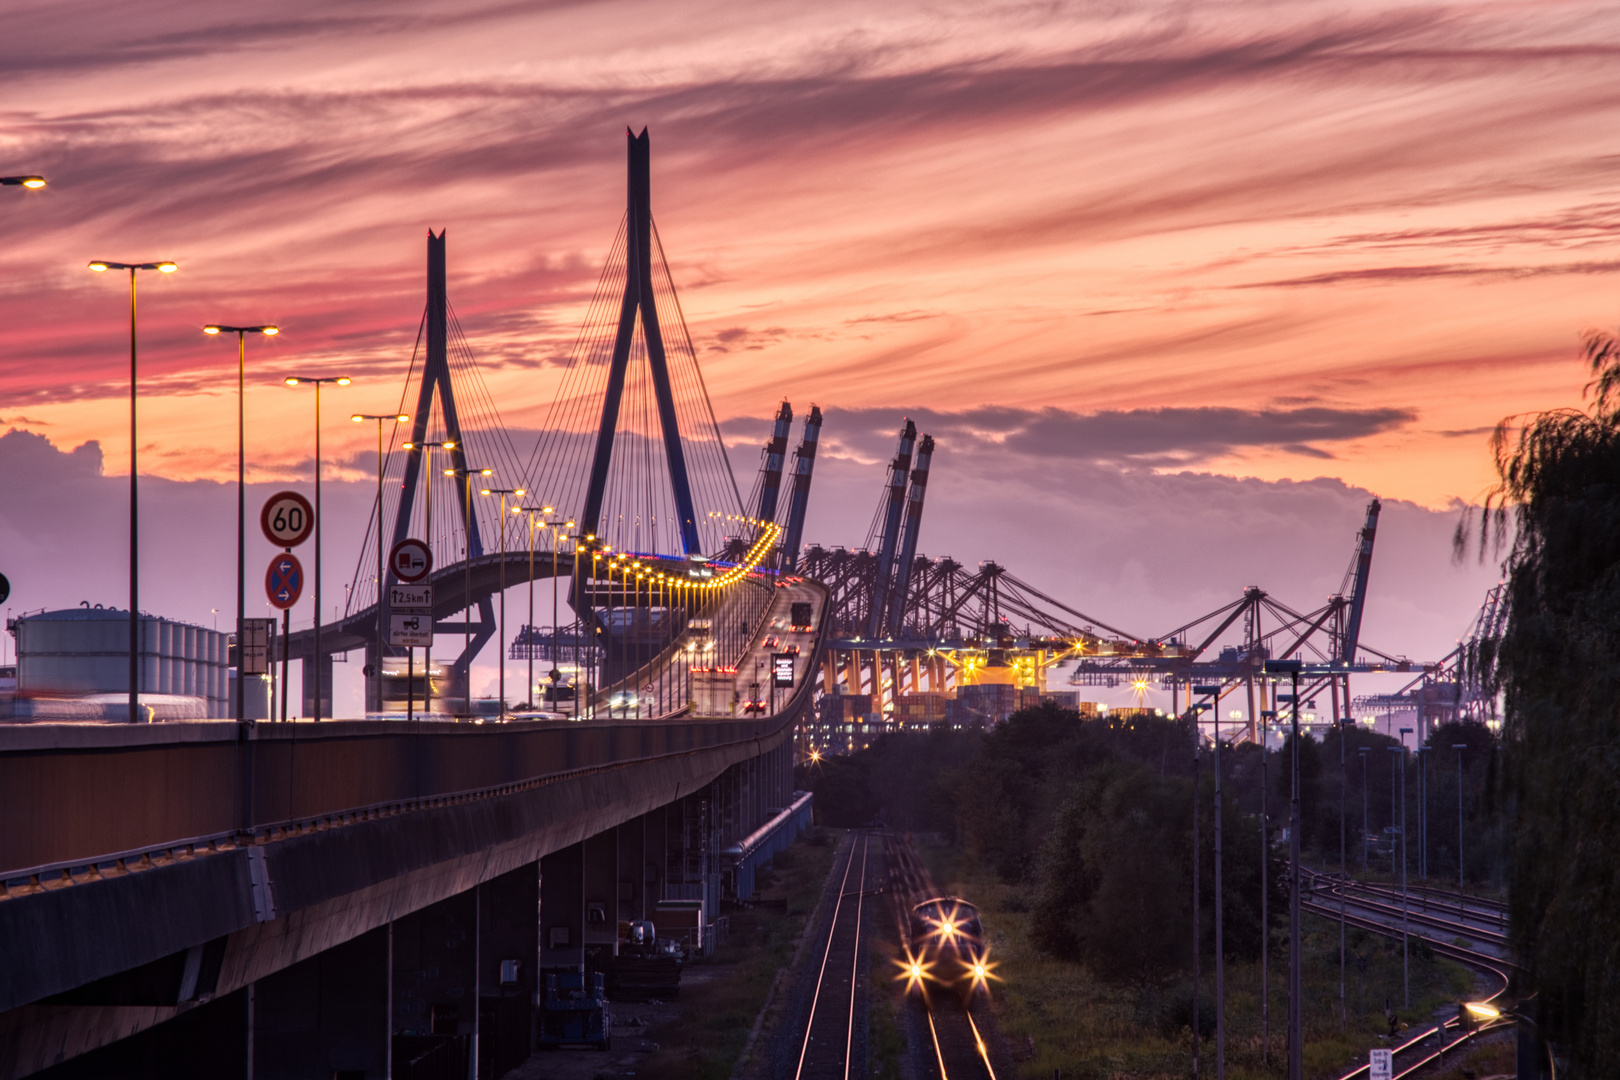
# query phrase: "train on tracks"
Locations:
[[945, 945]]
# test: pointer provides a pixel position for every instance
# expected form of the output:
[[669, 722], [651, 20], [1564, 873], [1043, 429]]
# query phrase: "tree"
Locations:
[[1558, 668]]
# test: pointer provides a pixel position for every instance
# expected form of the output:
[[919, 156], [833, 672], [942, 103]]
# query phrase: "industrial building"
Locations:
[[74, 664]]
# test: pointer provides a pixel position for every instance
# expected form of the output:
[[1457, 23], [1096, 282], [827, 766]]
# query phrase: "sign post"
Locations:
[[287, 519], [410, 610], [284, 581], [1380, 1064]]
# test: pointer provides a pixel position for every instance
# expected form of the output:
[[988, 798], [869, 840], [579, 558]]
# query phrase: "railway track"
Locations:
[[959, 1049], [1378, 904], [1433, 1043], [829, 1050]]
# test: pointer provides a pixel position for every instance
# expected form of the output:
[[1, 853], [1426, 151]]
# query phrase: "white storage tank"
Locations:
[[84, 651]]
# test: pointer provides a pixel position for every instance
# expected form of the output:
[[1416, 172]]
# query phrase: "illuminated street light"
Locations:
[[427, 449], [382, 635], [503, 493], [467, 473], [165, 266], [317, 381], [241, 333], [32, 182]]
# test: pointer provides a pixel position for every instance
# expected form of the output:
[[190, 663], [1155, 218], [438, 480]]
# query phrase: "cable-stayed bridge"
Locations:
[[365, 898], [174, 897]]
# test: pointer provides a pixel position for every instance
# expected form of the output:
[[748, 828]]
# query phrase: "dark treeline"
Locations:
[[1093, 820], [1557, 666]]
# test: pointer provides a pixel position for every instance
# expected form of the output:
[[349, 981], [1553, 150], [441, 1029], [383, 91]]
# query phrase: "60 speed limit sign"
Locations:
[[287, 519]]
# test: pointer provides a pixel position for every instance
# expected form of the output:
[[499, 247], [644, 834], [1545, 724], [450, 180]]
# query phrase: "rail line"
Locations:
[[1444, 901], [829, 1032], [1355, 899], [960, 1049], [1417, 1052]]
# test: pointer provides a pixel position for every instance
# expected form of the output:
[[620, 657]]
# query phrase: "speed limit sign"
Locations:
[[287, 519]]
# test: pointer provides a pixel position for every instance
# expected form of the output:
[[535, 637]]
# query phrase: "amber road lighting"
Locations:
[[101, 266], [33, 182], [241, 332]]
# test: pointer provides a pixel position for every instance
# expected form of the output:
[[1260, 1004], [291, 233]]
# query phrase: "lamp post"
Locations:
[[467, 475], [427, 527], [382, 628], [1265, 894], [1423, 816], [1345, 724], [1459, 747], [241, 333], [556, 640], [1363, 751], [317, 381], [31, 182], [164, 266], [1296, 1002], [1197, 904], [501, 653], [1214, 695], [1406, 971], [532, 511]]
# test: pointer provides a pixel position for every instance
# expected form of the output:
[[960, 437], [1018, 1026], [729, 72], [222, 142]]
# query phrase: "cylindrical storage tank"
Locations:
[[84, 651]]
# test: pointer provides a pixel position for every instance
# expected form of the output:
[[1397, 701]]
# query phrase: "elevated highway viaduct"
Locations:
[[346, 898]]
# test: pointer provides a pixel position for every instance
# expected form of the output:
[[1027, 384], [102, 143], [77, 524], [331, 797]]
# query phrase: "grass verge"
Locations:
[[1054, 1015]]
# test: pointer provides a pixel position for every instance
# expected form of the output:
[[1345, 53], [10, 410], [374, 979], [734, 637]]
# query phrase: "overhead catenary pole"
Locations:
[[1406, 926], [1197, 901], [1265, 891], [1459, 747]]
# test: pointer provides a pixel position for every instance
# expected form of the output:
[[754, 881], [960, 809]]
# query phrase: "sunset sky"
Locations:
[[1159, 276]]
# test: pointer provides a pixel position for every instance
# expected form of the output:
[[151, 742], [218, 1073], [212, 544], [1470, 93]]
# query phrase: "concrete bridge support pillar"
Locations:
[[562, 910], [508, 965], [308, 671], [600, 881], [435, 982], [632, 870], [326, 1016]]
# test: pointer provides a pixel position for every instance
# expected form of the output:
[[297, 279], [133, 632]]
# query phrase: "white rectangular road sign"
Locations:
[[414, 631], [255, 646], [1380, 1064], [410, 597]]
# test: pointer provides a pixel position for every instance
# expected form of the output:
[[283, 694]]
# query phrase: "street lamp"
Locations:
[[382, 634], [1296, 1002], [33, 182], [467, 473], [1265, 889], [427, 527], [1400, 761], [1363, 751], [299, 380], [241, 333], [501, 652], [1459, 747], [164, 266], [1423, 816], [1214, 695], [531, 511]]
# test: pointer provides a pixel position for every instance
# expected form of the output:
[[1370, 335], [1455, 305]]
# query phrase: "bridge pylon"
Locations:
[[639, 298], [435, 383]]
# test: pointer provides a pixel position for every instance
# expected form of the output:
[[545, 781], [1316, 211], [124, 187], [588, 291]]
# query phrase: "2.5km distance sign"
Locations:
[[287, 519]]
